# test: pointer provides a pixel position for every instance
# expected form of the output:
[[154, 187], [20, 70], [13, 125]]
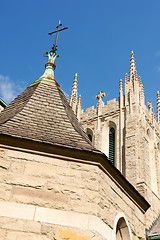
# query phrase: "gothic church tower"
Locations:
[[128, 132]]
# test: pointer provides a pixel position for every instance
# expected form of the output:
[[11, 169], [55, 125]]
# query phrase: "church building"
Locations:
[[126, 130], [66, 174]]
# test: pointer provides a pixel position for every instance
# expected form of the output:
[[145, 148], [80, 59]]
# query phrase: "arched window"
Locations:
[[122, 231], [148, 133], [112, 145], [90, 137], [89, 134]]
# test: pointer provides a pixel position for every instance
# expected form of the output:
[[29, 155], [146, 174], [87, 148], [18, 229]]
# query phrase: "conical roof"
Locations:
[[154, 231], [42, 113]]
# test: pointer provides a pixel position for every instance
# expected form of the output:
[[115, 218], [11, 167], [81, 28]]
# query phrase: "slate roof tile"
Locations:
[[41, 113], [154, 229]]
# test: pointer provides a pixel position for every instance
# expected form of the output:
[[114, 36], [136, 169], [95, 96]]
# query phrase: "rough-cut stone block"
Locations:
[[44, 195], [3, 234], [4, 164]]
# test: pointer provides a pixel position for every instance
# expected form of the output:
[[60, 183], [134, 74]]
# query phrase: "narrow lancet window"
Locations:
[[90, 137], [112, 145], [89, 134]]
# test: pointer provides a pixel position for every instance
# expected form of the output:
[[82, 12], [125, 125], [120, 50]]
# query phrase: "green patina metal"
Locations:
[[48, 75], [154, 237], [3, 103], [42, 80], [49, 71]]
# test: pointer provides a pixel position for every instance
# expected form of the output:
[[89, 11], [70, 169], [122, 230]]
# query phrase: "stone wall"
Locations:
[[44, 198], [109, 117], [91, 112], [18, 229], [140, 141]]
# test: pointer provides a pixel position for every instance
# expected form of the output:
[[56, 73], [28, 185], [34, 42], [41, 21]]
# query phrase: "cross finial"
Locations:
[[54, 48], [52, 54], [100, 96]]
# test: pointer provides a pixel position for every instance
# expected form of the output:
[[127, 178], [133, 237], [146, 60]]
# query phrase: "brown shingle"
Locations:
[[42, 113], [155, 229]]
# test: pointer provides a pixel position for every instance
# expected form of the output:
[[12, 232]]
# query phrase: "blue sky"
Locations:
[[97, 45]]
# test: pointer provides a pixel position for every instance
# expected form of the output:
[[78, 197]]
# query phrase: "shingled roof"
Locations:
[[154, 231], [42, 113]]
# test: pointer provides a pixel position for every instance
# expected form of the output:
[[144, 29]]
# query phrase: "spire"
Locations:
[[74, 94], [68, 98], [130, 101], [140, 81], [79, 101], [126, 88], [126, 78], [120, 86], [48, 75], [132, 71], [136, 75], [149, 104], [49, 68], [50, 65], [121, 93], [79, 108], [141, 91], [158, 107]]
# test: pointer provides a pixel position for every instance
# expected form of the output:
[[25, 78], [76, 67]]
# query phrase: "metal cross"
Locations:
[[58, 30]]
